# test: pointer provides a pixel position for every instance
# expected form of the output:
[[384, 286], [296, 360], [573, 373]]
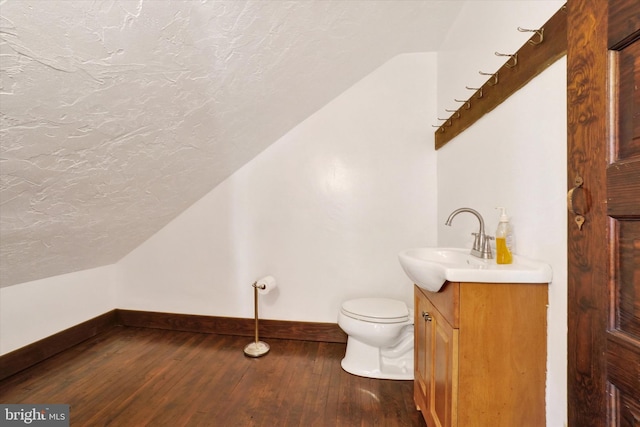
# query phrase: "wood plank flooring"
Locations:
[[149, 377]]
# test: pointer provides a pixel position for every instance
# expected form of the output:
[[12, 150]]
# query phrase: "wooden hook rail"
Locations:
[[546, 46]]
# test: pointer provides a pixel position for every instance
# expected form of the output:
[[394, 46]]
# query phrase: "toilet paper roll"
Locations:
[[266, 284]]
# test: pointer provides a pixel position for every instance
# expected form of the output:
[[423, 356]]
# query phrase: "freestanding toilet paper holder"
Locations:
[[257, 348]]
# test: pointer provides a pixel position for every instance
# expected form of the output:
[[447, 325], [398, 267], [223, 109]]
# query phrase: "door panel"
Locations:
[[629, 411], [627, 296], [628, 101]]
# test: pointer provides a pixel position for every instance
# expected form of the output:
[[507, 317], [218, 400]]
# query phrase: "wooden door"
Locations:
[[623, 207], [603, 97]]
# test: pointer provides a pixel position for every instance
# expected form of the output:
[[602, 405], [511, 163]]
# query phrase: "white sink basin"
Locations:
[[430, 268]]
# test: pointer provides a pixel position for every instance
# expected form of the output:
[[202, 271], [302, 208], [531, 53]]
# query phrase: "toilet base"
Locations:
[[391, 363]]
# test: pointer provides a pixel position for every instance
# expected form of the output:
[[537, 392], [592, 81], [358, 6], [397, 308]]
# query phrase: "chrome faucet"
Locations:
[[481, 247]]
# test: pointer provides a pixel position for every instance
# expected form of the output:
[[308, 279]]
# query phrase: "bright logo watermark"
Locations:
[[34, 415]]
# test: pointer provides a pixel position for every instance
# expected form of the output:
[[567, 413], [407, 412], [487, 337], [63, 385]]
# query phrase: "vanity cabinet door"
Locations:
[[445, 372], [423, 352], [436, 344]]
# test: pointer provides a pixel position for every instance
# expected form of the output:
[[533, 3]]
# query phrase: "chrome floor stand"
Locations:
[[256, 348]]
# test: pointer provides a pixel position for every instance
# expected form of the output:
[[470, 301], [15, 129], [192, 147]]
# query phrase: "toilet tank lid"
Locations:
[[376, 308]]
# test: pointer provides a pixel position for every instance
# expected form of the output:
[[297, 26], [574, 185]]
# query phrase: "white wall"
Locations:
[[35, 310], [513, 157], [325, 210]]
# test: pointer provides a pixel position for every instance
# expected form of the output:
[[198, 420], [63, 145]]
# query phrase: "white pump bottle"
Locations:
[[504, 239]]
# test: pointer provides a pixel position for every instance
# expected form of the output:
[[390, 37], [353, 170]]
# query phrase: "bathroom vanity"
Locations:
[[480, 354]]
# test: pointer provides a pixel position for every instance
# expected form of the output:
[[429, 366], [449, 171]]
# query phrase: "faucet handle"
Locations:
[[477, 241], [486, 250]]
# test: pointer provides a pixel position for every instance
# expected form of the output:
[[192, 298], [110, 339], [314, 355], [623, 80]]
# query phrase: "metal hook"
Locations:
[[478, 89], [467, 103], [456, 115], [513, 56], [440, 128], [539, 32], [447, 122], [495, 78]]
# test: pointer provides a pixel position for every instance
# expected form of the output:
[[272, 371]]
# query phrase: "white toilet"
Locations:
[[380, 338]]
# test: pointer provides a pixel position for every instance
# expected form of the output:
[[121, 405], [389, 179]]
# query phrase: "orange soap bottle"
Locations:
[[504, 239]]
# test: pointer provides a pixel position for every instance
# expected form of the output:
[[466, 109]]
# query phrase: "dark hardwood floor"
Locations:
[[149, 377]]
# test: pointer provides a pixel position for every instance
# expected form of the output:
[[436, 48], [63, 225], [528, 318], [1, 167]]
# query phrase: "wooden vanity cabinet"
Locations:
[[480, 354]]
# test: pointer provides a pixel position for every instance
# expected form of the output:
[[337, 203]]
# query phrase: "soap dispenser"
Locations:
[[504, 239]]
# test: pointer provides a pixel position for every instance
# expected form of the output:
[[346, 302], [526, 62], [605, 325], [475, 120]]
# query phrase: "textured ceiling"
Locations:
[[118, 115]]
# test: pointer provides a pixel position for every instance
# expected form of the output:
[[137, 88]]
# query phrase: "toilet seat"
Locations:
[[376, 310]]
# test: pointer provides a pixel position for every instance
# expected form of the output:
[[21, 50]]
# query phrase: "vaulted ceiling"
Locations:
[[116, 115]]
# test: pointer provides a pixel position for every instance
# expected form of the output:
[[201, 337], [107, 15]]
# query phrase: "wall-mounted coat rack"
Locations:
[[546, 46]]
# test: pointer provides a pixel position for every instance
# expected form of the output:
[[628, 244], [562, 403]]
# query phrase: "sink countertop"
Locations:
[[431, 267]]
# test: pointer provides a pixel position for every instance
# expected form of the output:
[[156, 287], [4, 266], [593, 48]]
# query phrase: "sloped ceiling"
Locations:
[[117, 115]]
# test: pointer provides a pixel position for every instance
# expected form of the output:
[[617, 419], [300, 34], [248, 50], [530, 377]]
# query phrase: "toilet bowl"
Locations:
[[379, 338]]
